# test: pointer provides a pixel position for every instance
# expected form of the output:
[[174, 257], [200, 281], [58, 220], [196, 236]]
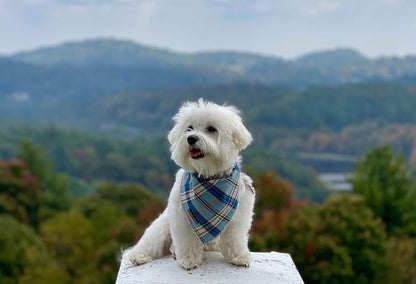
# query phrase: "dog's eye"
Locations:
[[211, 129], [190, 127]]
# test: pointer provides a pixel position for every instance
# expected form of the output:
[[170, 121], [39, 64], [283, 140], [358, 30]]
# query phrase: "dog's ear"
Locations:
[[241, 136]]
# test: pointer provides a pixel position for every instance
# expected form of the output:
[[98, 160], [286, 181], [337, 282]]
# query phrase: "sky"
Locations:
[[284, 28]]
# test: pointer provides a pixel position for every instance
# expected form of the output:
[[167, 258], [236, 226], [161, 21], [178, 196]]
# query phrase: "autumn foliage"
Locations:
[[51, 236]]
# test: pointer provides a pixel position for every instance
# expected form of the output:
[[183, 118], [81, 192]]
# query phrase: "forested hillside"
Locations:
[[346, 119], [323, 67], [72, 72], [146, 160]]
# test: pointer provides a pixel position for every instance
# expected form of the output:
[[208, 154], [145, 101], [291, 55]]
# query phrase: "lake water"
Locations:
[[333, 169], [336, 181]]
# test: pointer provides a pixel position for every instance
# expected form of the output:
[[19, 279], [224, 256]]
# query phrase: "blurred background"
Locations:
[[327, 88]]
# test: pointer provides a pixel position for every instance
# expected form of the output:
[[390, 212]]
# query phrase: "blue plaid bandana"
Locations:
[[210, 204]]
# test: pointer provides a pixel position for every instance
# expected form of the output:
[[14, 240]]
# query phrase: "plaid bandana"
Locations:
[[210, 204]]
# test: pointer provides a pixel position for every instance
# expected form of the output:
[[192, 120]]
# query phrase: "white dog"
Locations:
[[211, 203]]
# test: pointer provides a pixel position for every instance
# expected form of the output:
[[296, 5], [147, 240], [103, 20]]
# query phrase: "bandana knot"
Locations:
[[210, 204]]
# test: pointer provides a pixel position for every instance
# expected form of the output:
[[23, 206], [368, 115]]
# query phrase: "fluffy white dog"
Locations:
[[211, 203]]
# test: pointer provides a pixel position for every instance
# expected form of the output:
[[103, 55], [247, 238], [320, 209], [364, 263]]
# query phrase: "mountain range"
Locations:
[[324, 67], [106, 81]]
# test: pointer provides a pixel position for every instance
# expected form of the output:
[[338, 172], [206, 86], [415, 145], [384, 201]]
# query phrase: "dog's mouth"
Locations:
[[196, 153]]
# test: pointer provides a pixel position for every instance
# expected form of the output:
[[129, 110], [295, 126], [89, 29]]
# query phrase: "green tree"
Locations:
[[20, 195], [401, 261], [55, 187], [114, 230], [385, 180], [352, 225], [118, 215], [24, 258], [129, 198], [339, 241], [71, 239]]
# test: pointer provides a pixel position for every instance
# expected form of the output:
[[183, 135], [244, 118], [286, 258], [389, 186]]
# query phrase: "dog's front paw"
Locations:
[[242, 260], [187, 263], [138, 258]]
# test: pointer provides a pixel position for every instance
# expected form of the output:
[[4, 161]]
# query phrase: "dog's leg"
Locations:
[[187, 247], [189, 254], [234, 239], [154, 243]]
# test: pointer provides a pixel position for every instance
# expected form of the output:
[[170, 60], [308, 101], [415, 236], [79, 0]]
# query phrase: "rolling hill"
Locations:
[[122, 86], [323, 67]]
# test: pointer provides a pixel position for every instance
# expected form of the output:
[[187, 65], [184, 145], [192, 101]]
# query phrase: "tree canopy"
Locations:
[[387, 183]]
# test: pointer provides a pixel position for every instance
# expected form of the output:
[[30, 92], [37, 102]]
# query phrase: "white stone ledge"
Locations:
[[270, 267]]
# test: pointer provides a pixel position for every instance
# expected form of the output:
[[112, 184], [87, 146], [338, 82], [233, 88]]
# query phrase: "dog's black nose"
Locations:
[[192, 139]]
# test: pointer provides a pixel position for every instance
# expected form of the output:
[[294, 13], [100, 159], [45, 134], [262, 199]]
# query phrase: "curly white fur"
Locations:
[[206, 140]]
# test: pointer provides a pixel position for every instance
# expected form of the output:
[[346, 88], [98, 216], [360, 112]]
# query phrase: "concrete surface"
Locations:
[[270, 267]]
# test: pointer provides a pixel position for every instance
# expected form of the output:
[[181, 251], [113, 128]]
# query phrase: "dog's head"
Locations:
[[207, 138]]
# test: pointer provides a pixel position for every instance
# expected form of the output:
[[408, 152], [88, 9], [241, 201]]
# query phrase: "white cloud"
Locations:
[[322, 7], [391, 1], [35, 1], [84, 2]]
